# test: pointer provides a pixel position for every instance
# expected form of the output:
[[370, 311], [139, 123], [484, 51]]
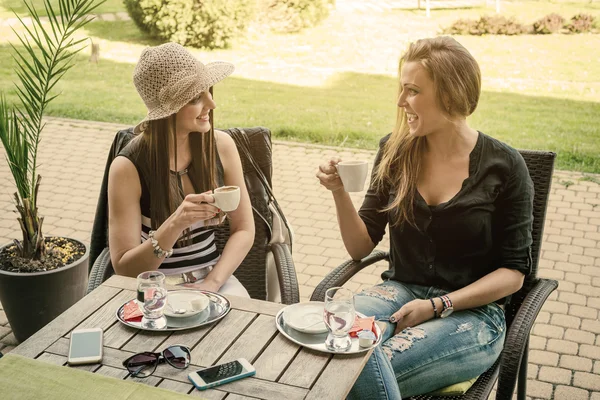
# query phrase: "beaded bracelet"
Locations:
[[434, 308], [158, 251]]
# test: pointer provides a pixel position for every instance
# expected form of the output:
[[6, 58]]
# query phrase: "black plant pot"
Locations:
[[32, 300]]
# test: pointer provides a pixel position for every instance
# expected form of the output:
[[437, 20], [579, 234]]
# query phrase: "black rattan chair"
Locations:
[[521, 311], [257, 174]]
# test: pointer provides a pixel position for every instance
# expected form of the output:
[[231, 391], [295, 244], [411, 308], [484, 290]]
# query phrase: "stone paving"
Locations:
[[565, 342]]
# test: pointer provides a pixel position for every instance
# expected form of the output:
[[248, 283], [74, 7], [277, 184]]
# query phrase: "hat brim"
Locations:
[[215, 73]]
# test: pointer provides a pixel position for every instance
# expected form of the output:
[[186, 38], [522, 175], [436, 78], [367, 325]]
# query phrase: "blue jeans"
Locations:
[[430, 356]]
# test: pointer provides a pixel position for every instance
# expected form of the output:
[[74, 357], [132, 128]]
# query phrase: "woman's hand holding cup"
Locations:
[[195, 208], [328, 176], [347, 175]]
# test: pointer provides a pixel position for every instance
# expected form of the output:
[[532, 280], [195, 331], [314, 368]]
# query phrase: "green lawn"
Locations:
[[524, 11], [8, 6], [354, 109], [539, 91]]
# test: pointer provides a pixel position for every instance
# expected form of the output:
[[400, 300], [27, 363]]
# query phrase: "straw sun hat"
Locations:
[[167, 77]]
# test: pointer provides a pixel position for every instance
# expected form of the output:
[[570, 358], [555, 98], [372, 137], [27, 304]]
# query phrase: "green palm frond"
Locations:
[[47, 49], [16, 146]]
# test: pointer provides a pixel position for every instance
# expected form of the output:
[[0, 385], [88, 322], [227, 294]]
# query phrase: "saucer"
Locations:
[[185, 299], [302, 316], [218, 307], [317, 341]]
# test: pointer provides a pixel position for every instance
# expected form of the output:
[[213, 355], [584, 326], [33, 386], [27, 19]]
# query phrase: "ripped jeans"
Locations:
[[430, 356]]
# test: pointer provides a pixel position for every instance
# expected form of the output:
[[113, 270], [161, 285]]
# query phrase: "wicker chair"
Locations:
[[520, 313], [257, 175]]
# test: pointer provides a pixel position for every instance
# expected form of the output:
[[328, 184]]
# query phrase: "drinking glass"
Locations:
[[152, 299], [339, 316]]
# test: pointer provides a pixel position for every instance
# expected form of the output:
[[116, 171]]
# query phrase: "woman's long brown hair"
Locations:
[[154, 147], [457, 79]]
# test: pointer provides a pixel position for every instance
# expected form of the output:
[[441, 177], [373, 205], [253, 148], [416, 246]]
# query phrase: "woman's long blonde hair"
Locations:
[[457, 81]]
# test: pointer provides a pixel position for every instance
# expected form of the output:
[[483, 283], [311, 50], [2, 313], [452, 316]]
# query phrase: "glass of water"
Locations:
[[152, 299], [339, 316]]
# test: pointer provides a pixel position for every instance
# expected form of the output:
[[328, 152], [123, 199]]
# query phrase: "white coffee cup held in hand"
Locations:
[[353, 174], [227, 198]]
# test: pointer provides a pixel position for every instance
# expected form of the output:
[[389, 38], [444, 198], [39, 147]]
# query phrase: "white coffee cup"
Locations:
[[227, 198], [353, 174]]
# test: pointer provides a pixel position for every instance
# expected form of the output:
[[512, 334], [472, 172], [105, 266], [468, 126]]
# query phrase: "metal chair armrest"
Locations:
[[344, 272]]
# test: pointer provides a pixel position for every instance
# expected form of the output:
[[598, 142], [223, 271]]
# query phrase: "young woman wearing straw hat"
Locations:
[[458, 206], [159, 186]]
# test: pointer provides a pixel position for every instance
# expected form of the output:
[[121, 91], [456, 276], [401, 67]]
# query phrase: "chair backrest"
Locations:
[[252, 271], [541, 166]]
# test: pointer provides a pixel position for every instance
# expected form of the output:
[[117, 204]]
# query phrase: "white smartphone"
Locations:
[[221, 373], [86, 346]]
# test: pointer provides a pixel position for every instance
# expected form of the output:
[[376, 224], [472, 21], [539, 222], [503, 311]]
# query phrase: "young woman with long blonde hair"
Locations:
[[458, 206]]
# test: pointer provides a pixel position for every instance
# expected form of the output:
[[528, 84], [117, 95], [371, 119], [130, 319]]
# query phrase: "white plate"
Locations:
[[317, 341], [302, 316], [182, 299], [218, 307]]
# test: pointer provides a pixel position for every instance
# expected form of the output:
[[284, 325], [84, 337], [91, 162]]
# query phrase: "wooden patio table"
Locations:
[[284, 370]]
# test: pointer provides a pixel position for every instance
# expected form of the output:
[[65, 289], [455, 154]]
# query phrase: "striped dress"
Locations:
[[202, 251]]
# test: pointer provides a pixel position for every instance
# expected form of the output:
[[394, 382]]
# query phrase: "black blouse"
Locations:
[[485, 226]]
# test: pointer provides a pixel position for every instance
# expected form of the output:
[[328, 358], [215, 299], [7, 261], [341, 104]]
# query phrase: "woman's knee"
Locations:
[[382, 300]]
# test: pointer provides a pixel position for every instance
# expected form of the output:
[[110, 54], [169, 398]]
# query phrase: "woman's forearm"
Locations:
[[234, 252], [354, 232], [142, 258], [493, 286]]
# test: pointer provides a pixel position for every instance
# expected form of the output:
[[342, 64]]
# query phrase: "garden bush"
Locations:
[[551, 23], [581, 23], [462, 27], [487, 25], [205, 24], [289, 16]]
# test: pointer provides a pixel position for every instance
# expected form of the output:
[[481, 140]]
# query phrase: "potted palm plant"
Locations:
[[40, 277]]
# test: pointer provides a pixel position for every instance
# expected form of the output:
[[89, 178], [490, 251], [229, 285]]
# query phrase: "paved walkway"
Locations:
[[565, 344]]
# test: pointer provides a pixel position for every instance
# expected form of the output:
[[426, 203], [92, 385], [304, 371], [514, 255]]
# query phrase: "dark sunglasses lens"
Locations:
[[178, 356], [142, 365]]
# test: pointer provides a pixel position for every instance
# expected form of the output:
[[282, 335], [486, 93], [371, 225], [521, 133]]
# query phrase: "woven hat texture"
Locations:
[[167, 77]]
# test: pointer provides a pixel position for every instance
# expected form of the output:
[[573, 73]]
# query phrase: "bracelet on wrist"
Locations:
[[435, 314], [448, 307], [158, 251]]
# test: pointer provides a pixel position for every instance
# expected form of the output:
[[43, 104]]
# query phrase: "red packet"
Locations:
[[363, 324], [131, 312]]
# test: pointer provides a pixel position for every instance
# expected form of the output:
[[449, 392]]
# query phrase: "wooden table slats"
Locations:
[[209, 394], [189, 338], [112, 372], [118, 334], [252, 340], [104, 317], [53, 358], [284, 369], [114, 358], [233, 396], [145, 341], [339, 371], [221, 337], [175, 386], [275, 359], [305, 368], [65, 322]]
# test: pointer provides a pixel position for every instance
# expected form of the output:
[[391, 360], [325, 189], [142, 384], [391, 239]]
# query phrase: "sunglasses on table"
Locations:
[[142, 365]]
